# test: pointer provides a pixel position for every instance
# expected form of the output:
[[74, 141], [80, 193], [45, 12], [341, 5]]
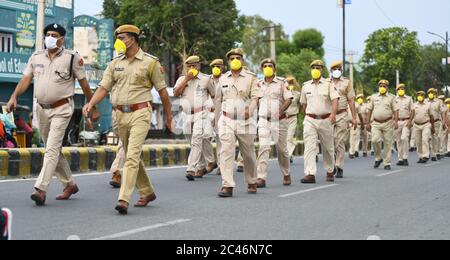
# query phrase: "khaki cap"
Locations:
[[216, 62], [238, 51], [441, 97], [336, 64], [317, 63], [360, 96], [447, 101], [192, 60], [383, 82], [265, 61], [401, 86], [432, 90], [420, 93], [127, 29]]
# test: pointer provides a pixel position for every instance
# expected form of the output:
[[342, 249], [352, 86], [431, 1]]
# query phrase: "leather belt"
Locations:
[[133, 107], [403, 119], [382, 122], [341, 111], [231, 116], [420, 124], [438, 120], [319, 117], [291, 116], [197, 110], [284, 116], [56, 104]]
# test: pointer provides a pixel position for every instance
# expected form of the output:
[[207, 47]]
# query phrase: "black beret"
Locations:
[[55, 28]]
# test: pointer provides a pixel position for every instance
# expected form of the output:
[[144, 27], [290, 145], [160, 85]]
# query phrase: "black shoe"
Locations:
[[364, 154], [372, 153], [405, 163], [292, 160], [351, 156], [339, 173], [387, 168], [377, 164], [401, 163], [357, 154], [317, 158], [240, 169], [447, 155], [434, 159]]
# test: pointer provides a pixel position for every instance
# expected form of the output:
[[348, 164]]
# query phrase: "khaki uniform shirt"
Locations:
[[362, 110], [235, 94], [318, 97], [346, 91], [273, 96], [131, 82], [198, 92], [437, 108], [423, 112], [383, 106], [405, 105], [52, 79], [294, 108]]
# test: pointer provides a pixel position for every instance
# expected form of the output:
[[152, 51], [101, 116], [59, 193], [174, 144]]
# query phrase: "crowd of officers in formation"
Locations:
[[234, 107]]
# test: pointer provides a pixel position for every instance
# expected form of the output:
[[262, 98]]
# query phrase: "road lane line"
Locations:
[[433, 164], [143, 229], [309, 190], [390, 173]]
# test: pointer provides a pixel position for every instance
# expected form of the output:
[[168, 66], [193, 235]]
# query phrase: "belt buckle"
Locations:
[[318, 117], [46, 106], [126, 109]]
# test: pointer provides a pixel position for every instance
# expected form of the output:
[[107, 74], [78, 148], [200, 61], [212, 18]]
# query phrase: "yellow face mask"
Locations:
[[268, 72], [431, 96], [316, 74], [216, 72], [120, 47], [360, 101], [420, 98], [401, 92], [291, 87], [383, 90], [193, 72], [448, 106], [236, 65]]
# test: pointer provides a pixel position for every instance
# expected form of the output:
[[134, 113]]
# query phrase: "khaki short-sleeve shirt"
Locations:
[[405, 105], [383, 107], [422, 112], [437, 108], [318, 97], [197, 93], [346, 91], [273, 96]]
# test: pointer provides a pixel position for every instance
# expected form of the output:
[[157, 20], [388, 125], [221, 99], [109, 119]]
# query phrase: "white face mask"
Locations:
[[50, 42], [337, 74]]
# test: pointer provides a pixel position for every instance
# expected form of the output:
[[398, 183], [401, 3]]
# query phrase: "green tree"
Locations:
[[111, 9], [183, 28], [297, 65], [310, 39], [388, 50], [431, 72]]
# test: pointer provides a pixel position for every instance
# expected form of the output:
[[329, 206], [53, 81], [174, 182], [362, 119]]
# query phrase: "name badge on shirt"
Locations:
[[119, 69]]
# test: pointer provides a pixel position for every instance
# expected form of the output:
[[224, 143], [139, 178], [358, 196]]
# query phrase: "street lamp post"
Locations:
[[446, 58]]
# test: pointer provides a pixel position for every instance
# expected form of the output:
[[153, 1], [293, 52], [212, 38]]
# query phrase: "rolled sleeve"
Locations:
[[108, 78], [255, 89], [287, 94], [29, 68], [334, 94], [78, 70]]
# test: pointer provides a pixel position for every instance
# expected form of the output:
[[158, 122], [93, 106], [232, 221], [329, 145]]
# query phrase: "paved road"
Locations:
[[405, 203]]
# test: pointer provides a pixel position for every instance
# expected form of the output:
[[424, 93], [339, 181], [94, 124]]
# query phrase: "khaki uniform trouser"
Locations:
[[133, 129], [340, 138], [422, 135], [198, 131], [448, 143], [293, 121], [240, 160], [436, 140], [402, 135], [383, 133], [443, 141], [318, 130], [276, 132], [356, 136], [229, 131], [52, 125]]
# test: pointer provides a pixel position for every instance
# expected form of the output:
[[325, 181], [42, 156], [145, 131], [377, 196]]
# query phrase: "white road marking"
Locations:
[[74, 237], [389, 173], [432, 164], [374, 238], [143, 229], [309, 190]]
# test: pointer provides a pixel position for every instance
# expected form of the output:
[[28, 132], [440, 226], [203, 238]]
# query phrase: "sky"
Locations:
[[363, 17]]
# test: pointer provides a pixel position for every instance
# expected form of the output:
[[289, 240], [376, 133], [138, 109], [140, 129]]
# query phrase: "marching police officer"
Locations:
[[54, 70], [238, 95], [319, 101], [359, 133], [118, 163], [405, 105], [424, 126], [438, 111], [292, 114], [273, 124], [195, 89], [447, 133], [346, 100], [130, 78], [385, 119], [217, 68]]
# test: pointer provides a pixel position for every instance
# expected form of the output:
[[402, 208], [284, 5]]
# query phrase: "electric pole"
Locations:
[[273, 50]]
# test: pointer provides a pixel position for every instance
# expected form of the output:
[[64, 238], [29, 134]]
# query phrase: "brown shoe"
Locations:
[[200, 173], [252, 189], [68, 191], [226, 192], [330, 177], [211, 167], [122, 207], [116, 181], [143, 202], [219, 172], [190, 176], [309, 179], [39, 197], [287, 180], [260, 183]]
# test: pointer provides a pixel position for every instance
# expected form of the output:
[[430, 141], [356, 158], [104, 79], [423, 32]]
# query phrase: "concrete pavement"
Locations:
[[405, 203]]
